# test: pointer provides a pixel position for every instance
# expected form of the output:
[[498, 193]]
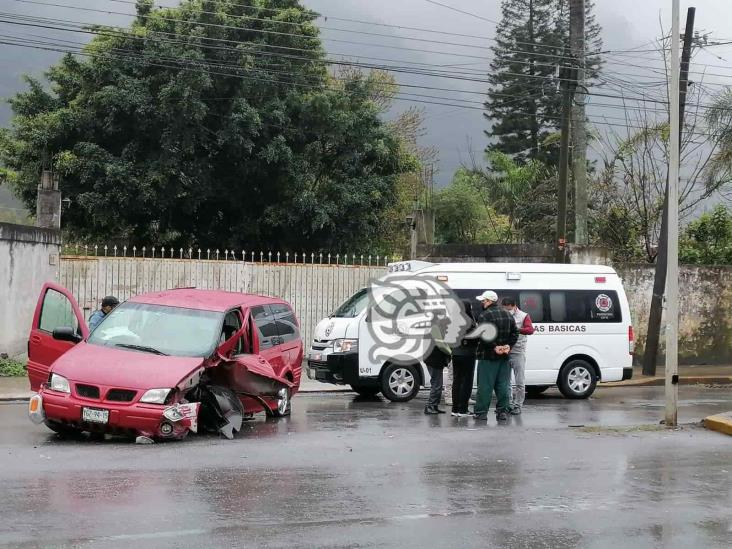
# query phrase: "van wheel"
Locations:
[[577, 379], [366, 391], [536, 390], [400, 382]]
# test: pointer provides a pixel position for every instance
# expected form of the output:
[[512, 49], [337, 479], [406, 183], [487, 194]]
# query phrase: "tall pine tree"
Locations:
[[524, 97]]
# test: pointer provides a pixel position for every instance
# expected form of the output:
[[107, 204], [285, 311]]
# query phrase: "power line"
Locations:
[[452, 8]]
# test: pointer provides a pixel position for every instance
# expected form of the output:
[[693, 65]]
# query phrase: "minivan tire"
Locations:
[[400, 382], [284, 403], [577, 379], [366, 390]]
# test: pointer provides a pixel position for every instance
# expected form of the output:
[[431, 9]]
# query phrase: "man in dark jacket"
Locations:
[[436, 362], [493, 368]]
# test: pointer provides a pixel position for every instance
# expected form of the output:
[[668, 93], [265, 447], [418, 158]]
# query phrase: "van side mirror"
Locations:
[[66, 333]]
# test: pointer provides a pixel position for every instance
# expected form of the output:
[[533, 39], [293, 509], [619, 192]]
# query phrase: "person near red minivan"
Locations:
[[162, 363]]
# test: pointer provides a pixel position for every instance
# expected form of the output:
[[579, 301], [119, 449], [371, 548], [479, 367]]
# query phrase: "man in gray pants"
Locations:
[[517, 357]]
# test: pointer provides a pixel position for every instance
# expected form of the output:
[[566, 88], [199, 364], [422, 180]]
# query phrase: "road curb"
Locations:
[[659, 381], [721, 423]]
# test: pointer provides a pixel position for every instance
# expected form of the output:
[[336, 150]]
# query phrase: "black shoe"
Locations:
[[481, 416], [440, 411], [515, 411], [431, 410], [501, 416]]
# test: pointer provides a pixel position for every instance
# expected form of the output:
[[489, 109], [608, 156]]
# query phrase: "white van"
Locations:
[[583, 330]]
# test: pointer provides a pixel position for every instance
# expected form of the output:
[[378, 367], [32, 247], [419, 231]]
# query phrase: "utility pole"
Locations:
[[567, 78], [650, 356], [672, 280], [579, 128]]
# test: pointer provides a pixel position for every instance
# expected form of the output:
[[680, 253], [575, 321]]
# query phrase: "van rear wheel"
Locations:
[[400, 382], [577, 379]]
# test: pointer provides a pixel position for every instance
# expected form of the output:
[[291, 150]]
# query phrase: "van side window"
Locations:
[[265, 324], [532, 302], [57, 312], [586, 306], [558, 306], [285, 322]]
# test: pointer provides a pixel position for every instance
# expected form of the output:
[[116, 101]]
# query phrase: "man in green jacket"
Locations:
[[494, 373]]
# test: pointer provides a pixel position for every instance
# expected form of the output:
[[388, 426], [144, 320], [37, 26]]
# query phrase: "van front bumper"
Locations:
[[627, 373], [340, 369], [131, 419]]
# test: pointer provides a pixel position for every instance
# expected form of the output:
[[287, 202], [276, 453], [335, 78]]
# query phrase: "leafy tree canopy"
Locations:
[[708, 240], [204, 124], [461, 215]]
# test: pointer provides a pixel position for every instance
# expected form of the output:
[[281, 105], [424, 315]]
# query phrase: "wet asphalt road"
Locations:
[[344, 472]]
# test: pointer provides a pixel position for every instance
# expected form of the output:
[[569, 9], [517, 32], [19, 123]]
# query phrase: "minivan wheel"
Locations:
[[577, 379], [366, 391], [400, 382], [284, 403]]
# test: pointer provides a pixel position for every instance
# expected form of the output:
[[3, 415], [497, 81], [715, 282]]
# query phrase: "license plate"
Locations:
[[92, 415]]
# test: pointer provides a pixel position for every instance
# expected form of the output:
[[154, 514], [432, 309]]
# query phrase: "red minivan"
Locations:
[[162, 363]]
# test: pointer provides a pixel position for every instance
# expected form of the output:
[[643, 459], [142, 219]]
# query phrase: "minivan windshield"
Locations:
[[159, 329], [354, 305]]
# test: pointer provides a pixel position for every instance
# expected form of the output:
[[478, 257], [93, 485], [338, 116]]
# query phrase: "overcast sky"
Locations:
[[627, 24]]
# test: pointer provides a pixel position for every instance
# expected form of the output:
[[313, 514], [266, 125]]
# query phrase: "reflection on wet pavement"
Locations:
[[346, 472]]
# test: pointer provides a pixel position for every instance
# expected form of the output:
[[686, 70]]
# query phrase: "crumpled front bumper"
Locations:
[[133, 419]]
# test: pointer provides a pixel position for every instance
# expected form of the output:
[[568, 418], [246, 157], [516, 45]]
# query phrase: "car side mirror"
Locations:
[[66, 333]]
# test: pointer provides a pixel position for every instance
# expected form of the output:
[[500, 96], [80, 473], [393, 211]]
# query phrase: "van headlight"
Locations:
[[155, 396], [345, 345], [60, 384]]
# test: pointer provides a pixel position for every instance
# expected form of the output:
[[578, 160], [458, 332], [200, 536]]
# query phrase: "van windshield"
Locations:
[[168, 330], [354, 305]]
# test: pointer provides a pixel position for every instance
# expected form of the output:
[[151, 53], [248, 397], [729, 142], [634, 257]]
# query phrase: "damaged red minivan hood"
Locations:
[[122, 368]]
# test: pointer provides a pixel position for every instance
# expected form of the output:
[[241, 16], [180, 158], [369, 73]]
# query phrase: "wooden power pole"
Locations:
[[578, 124], [650, 355]]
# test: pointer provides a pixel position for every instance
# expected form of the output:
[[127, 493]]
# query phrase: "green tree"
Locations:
[[526, 194], [196, 126], [461, 215], [524, 100], [708, 240]]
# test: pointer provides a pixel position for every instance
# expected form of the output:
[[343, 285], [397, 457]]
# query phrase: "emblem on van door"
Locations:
[[329, 329], [603, 303]]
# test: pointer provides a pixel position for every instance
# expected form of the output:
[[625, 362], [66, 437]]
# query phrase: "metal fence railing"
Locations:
[[315, 284]]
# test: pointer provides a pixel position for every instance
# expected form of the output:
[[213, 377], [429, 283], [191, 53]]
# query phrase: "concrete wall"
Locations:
[[705, 311], [29, 257]]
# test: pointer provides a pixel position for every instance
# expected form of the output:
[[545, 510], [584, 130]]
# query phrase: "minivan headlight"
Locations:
[[60, 384], [155, 396], [345, 345]]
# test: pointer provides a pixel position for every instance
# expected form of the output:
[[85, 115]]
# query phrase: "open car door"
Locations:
[[56, 308]]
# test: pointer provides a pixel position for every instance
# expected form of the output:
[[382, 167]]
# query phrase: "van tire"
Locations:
[[577, 379], [283, 402], [536, 390], [366, 391], [400, 382]]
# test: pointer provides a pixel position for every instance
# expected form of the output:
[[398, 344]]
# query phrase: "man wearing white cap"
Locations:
[[494, 373]]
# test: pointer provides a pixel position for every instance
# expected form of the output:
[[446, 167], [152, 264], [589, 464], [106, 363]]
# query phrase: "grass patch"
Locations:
[[11, 368]]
